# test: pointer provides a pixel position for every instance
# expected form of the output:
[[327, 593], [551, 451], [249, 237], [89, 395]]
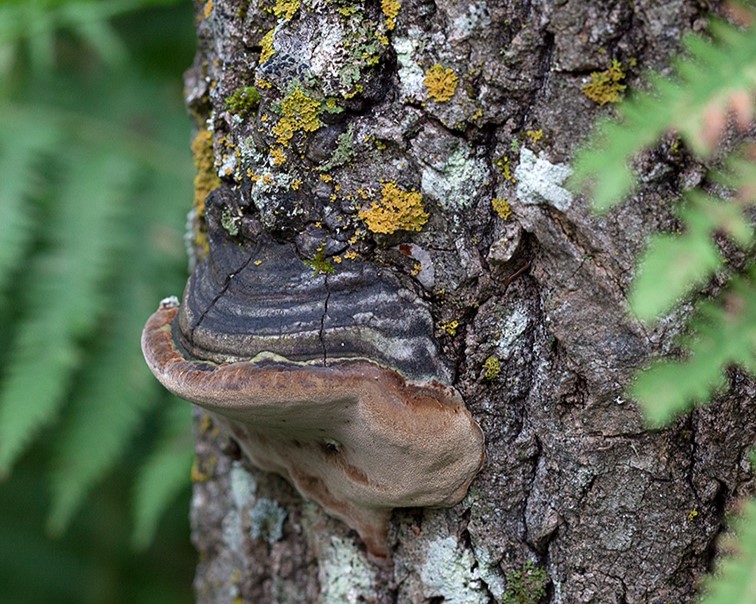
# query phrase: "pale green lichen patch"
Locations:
[[451, 574], [269, 191], [230, 223], [489, 570], [345, 51], [526, 586], [344, 573], [541, 182], [243, 485], [411, 76], [320, 263], [344, 152], [511, 328], [266, 520], [456, 180], [466, 18], [243, 101]]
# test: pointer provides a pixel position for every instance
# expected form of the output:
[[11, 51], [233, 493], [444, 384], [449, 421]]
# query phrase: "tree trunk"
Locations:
[[477, 105]]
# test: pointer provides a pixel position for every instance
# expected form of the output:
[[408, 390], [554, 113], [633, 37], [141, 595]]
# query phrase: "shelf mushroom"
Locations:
[[331, 381]]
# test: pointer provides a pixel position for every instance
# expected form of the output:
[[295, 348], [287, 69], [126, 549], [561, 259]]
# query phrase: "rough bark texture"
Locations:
[[573, 482]]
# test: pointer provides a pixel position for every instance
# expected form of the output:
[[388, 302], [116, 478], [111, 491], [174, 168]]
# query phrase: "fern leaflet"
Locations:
[[725, 333], [63, 299], [21, 150], [102, 419], [716, 72], [734, 580], [165, 472]]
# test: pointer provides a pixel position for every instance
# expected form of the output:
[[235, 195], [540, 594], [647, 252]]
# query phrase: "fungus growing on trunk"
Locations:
[[331, 381]]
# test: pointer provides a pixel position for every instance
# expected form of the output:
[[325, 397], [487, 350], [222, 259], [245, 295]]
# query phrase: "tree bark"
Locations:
[[574, 483]]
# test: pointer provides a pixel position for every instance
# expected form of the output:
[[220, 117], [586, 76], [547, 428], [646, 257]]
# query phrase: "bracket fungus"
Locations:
[[332, 381]]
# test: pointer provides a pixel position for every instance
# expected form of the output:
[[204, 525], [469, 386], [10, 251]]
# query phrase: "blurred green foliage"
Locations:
[[714, 78], [95, 183], [713, 83]]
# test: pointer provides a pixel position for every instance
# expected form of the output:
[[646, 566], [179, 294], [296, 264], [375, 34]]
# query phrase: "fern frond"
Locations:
[[75, 249], [100, 36], [677, 262], [734, 579], [103, 417], [683, 262], [693, 104], [64, 300], [117, 389], [165, 472], [37, 23], [724, 334], [20, 150], [740, 175]]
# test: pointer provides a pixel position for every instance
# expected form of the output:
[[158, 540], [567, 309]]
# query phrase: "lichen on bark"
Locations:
[[574, 483]]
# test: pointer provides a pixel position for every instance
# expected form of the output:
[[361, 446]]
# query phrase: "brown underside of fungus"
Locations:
[[333, 382]]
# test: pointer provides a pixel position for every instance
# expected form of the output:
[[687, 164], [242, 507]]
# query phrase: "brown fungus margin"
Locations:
[[355, 437]]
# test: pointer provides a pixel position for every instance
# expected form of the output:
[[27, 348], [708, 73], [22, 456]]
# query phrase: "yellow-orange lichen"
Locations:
[[450, 327], [205, 181], [286, 8], [299, 113], [390, 10], [278, 155], [208, 9], [534, 135], [502, 208], [491, 368], [396, 210], [441, 83], [266, 44], [605, 86], [505, 168]]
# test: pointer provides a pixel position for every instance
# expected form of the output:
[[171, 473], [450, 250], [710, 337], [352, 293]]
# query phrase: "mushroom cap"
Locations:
[[357, 437], [262, 298]]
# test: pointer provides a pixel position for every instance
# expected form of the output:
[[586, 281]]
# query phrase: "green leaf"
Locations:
[[64, 300], [609, 147], [715, 70], [734, 578], [104, 417], [100, 36], [723, 332], [669, 388], [726, 216], [38, 24], [20, 150], [164, 474], [671, 266]]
